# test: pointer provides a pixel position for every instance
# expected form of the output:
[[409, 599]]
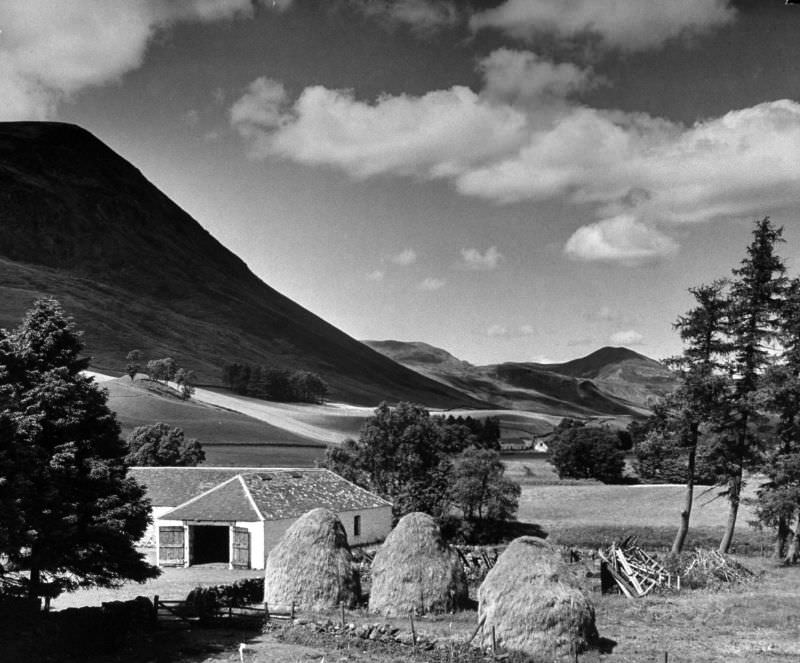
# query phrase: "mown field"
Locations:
[[228, 437]]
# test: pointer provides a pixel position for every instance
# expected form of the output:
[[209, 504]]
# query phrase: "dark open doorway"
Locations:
[[210, 543]]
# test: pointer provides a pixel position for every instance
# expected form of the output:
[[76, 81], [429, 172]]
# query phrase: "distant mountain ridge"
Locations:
[[79, 222], [609, 381]]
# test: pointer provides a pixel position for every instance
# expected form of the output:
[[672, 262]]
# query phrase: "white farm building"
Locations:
[[235, 515]]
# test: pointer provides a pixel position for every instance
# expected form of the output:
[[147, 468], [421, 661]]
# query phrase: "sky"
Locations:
[[510, 180]]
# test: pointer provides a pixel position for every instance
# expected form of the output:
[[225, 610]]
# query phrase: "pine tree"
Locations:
[[695, 400], [756, 294], [69, 514], [778, 499]]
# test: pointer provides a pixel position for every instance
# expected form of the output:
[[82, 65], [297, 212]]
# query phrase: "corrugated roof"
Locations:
[[276, 493], [228, 501]]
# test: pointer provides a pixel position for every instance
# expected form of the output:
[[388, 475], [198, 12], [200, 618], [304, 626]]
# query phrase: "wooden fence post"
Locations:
[[155, 608], [413, 628], [266, 611], [341, 605]]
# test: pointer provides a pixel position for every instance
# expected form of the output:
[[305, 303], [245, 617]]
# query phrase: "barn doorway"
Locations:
[[210, 544]]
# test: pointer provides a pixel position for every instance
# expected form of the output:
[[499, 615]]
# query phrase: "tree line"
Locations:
[[274, 384]]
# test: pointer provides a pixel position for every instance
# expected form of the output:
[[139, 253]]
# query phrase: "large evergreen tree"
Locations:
[[756, 296], [778, 499], [702, 384], [69, 514]]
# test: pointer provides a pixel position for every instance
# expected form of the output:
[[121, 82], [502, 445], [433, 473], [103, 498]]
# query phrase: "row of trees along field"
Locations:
[[274, 384], [737, 406], [442, 467], [163, 369]]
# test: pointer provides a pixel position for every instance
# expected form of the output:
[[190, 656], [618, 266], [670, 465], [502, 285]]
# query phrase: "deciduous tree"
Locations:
[[162, 445], [587, 452]]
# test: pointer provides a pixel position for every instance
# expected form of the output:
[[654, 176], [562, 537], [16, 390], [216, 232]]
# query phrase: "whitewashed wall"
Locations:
[[257, 554], [375, 525]]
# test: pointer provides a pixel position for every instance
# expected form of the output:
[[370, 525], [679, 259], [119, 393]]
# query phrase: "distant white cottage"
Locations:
[[235, 515]]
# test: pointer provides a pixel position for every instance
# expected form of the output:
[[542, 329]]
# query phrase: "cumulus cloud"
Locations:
[[51, 50], [376, 275], [475, 260], [626, 337], [526, 136], [628, 25], [424, 17], [527, 77], [403, 135], [621, 239], [432, 283], [405, 258]]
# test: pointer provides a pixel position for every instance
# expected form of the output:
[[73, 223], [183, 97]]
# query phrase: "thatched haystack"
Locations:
[[532, 599], [414, 570], [311, 566]]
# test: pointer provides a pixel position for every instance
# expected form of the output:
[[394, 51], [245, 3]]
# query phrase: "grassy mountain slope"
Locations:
[[610, 381], [81, 223], [621, 373]]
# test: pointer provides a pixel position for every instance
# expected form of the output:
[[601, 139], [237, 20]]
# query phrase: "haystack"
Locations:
[[533, 600], [311, 566], [414, 570]]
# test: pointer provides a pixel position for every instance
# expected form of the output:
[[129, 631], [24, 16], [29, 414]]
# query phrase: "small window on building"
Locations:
[[356, 525]]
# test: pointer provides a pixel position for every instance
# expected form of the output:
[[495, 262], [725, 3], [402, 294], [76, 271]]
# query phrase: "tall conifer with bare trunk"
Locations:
[[757, 290], [696, 399]]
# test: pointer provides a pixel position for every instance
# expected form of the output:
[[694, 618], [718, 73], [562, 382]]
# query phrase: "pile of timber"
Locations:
[[632, 571], [712, 564]]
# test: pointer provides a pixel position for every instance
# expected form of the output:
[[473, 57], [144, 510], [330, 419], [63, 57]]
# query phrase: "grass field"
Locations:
[[228, 437]]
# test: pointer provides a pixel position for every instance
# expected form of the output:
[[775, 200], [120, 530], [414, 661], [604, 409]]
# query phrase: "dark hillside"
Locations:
[[81, 223]]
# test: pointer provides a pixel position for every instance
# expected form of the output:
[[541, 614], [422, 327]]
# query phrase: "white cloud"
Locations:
[[527, 330], [621, 239], [405, 258], [524, 76], [431, 283], [626, 337], [423, 16], [475, 260], [51, 50], [628, 25], [497, 330], [424, 136], [524, 138], [261, 109], [376, 275]]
